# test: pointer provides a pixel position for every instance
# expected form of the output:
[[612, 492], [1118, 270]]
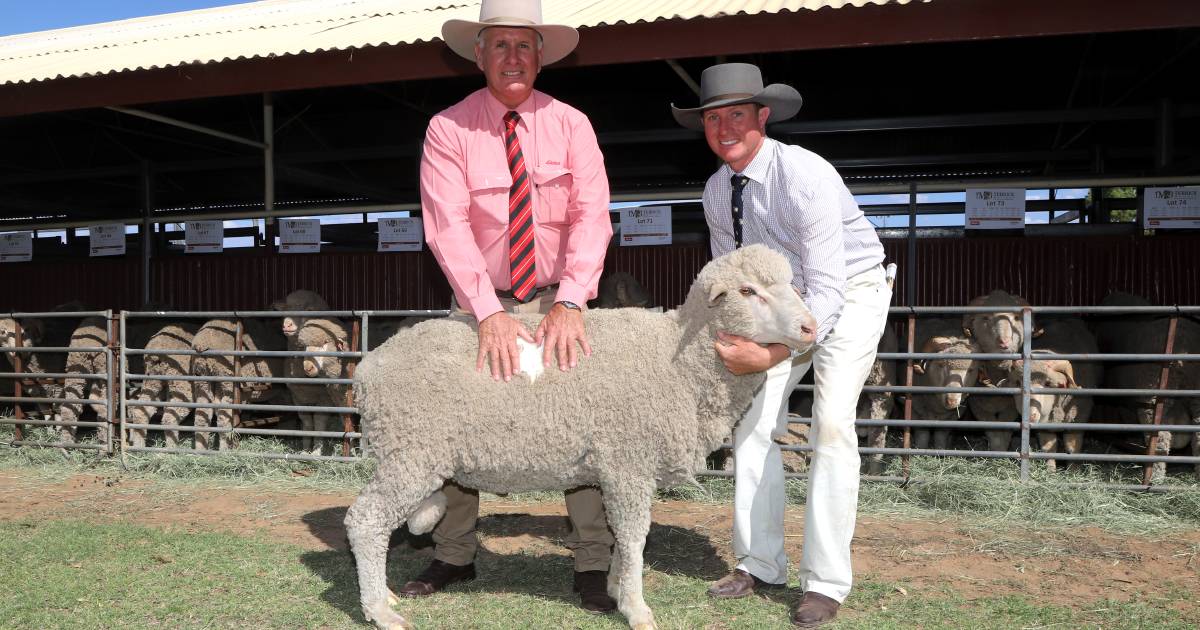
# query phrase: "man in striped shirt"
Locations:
[[796, 203]]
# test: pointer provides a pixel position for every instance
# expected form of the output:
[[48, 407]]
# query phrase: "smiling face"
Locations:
[[736, 132], [510, 58]]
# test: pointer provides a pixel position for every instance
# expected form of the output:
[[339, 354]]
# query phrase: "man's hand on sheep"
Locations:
[[743, 356], [498, 334], [561, 329]]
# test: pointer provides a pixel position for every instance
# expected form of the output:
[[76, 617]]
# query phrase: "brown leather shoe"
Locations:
[[814, 610], [437, 576], [592, 587], [738, 584]]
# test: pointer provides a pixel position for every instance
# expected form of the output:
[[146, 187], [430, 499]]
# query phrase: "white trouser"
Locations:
[[842, 362]]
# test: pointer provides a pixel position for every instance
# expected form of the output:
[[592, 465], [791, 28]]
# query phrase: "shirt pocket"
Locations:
[[553, 185], [489, 195]]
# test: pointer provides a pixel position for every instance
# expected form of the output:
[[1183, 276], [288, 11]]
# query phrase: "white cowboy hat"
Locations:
[[557, 40], [734, 83]]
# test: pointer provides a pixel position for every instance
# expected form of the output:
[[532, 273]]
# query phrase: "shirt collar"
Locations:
[[496, 110], [758, 167]]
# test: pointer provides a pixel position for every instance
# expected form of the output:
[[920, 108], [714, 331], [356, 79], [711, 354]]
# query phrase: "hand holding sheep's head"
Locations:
[[753, 288]]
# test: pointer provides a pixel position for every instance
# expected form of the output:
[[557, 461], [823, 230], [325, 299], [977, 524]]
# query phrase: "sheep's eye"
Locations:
[[746, 291]]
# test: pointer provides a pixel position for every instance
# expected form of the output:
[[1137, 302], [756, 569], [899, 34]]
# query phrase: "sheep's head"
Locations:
[[1050, 374], [997, 332], [323, 335], [621, 290], [949, 372], [8, 334], [299, 300], [751, 291]]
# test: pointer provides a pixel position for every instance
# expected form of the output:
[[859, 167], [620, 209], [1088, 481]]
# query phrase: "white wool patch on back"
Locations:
[[531, 359]]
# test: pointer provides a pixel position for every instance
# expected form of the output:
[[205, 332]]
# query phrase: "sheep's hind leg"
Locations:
[[391, 497], [628, 506]]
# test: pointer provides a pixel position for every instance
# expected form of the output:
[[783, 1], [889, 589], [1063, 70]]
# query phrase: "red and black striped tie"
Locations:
[[520, 216]]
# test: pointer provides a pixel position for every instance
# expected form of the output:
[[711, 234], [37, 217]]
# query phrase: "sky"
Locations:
[[23, 16]]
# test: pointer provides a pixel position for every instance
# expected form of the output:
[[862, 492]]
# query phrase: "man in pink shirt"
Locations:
[[515, 203]]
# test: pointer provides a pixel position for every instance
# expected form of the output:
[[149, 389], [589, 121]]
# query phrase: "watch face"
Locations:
[[570, 305]]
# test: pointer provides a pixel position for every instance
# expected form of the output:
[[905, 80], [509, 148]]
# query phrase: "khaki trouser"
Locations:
[[590, 538]]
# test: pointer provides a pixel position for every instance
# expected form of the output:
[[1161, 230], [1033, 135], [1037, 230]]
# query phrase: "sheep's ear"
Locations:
[[715, 295], [1038, 332], [919, 368], [341, 345]]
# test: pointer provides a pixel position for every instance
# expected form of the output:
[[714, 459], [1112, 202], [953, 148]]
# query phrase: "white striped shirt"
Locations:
[[798, 205]]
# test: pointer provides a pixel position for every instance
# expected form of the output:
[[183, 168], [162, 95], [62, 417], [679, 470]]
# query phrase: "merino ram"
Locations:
[[878, 405], [1148, 335], [170, 336], [642, 412], [996, 333], [220, 335], [944, 337], [1067, 336]]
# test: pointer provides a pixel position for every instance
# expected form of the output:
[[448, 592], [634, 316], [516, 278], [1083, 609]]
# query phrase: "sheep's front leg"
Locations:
[[1048, 443], [139, 414], [614, 576], [876, 438], [391, 497], [177, 391], [202, 392], [308, 422], [71, 411], [627, 503], [225, 414], [321, 422], [98, 391]]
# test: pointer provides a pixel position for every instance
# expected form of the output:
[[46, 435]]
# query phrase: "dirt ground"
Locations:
[[1065, 567]]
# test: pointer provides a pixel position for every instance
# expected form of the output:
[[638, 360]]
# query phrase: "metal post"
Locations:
[[147, 229], [908, 382], [347, 420], [1026, 355], [124, 371], [114, 342], [237, 387], [268, 153], [1164, 376], [910, 274], [18, 413], [366, 344]]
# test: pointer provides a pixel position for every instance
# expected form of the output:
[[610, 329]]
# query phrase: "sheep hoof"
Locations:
[[646, 626], [385, 618]]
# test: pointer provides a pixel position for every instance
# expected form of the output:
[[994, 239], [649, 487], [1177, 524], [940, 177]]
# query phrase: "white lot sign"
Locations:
[[107, 240], [1172, 208], [995, 209], [204, 237], [299, 236], [400, 235], [16, 247], [647, 225]]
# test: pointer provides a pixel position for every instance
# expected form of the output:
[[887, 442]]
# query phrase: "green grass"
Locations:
[[78, 574], [987, 491]]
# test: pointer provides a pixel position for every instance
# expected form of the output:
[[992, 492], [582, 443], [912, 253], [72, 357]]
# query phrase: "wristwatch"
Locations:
[[571, 305]]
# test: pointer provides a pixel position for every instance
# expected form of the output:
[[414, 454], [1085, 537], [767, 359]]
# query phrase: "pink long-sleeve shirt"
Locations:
[[464, 198]]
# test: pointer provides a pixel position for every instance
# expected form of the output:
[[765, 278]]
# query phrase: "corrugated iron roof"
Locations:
[[272, 28]]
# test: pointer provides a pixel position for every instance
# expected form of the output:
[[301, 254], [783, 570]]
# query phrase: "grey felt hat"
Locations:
[[557, 40], [735, 83]]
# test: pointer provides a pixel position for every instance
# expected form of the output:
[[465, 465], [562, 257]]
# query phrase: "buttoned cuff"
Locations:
[[570, 292]]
